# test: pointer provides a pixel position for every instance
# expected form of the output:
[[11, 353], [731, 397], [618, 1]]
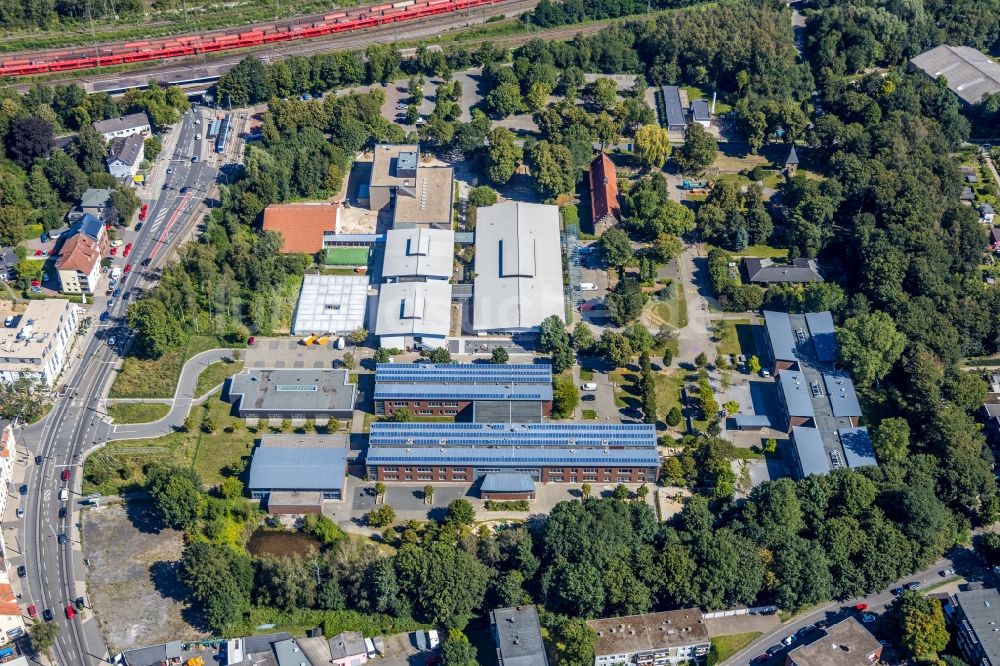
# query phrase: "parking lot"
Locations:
[[287, 352]]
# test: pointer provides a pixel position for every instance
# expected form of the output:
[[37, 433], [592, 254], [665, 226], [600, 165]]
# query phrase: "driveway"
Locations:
[[694, 338]]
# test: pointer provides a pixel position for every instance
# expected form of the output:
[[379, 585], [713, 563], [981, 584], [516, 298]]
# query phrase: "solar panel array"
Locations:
[[468, 373], [512, 436], [513, 457], [461, 391]]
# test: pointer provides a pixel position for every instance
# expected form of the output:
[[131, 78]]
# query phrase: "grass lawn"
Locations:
[[590, 414], [286, 303], [671, 312], [586, 375], [737, 337], [724, 647], [157, 378], [733, 165], [138, 412], [694, 93], [214, 375], [759, 251], [627, 389], [668, 392], [119, 466]]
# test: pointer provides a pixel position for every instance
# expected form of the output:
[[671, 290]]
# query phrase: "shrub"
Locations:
[[509, 505]]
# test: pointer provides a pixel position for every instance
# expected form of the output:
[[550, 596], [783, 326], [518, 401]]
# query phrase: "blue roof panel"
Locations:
[[500, 436], [824, 336], [810, 452], [858, 449], [431, 373], [752, 421], [511, 457], [779, 332], [462, 391], [672, 106], [795, 392], [843, 398]]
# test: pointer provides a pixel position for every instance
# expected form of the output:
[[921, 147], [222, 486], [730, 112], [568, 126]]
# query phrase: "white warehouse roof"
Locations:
[[331, 304], [419, 252], [519, 279], [414, 309]]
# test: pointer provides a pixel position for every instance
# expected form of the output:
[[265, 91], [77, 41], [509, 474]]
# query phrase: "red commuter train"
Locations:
[[176, 47]]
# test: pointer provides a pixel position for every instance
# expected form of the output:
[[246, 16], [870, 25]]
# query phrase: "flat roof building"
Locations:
[[507, 486], [808, 452], [793, 397], [970, 74], [547, 452], [517, 634], [297, 471], [669, 637], [843, 398], [518, 267], [674, 109], [334, 304], [420, 194], [427, 389], [302, 225], [846, 643], [701, 113], [858, 448], [975, 615], [419, 253], [823, 334], [413, 314], [292, 393], [781, 342], [38, 343]]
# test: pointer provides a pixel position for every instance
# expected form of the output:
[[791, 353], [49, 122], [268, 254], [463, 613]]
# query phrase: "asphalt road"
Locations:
[[76, 425]]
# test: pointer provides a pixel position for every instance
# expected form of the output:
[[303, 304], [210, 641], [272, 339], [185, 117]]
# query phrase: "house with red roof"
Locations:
[[604, 193]]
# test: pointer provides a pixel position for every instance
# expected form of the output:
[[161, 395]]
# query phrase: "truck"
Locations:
[[693, 184]]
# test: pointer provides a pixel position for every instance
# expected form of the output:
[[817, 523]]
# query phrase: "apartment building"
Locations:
[[38, 342]]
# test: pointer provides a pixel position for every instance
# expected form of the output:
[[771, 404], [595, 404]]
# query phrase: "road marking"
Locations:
[[46, 495]]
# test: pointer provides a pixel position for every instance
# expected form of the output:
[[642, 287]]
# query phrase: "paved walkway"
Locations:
[[182, 402]]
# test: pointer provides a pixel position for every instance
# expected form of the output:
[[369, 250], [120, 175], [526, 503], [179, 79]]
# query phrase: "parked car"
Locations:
[[63, 538], [65, 475], [9, 321], [868, 618], [861, 608], [19, 512], [114, 251], [774, 649], [24, 489], [947, 572], [143, 211], [79, 603], [788, 640], [138, 226], [62, 512], [32, 611], [589, 397], [118, 242], [105, 315], [21, 571], [915, 585], [761, 658], [128, 268], [898, 591], [70, 611], [250, 341], [128, 248]]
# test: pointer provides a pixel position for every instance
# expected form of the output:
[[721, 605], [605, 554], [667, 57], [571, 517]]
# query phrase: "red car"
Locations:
[[114, 251], [142, 212], [70, 611], [861, 608], [65, 475], [128, 248], [250, 341], [128, 268], [36, 283], [32, 611]]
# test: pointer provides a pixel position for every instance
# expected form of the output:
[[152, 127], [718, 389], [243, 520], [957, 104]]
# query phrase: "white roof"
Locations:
[[420, 252], [414, 308], [331, 304], [518, 267]]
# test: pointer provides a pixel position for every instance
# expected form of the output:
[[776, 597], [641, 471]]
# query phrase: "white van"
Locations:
[[63, 495], [116, 272], [197, 137], [589, 386], [588, 286]]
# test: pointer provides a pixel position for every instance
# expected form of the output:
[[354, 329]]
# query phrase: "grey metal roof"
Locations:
[[507, 483], [289, 653], [796, 392], [752, 421], [793, 157], [419, 309], [95, 198], [131, 121], [516, 436], [517, 634], [672, 106], [465, 237], [419, 252], [858, 449], [986, 208], [982, 612], [293, 390], [352, 239], [809, 451], [700, 110], [779, 332], [824, 337], [970, 73], [297, 468], [843, 398], [263, 642], [512, 457], [518, 267], [765, 271]]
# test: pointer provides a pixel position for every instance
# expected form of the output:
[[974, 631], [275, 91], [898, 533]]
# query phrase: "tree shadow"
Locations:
[[144, 516]]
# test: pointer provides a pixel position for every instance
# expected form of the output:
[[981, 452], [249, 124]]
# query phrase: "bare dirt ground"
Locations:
[[132, 577]]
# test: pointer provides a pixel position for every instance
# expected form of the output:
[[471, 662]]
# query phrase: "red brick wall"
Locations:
[[548, 474], [418, 406], [500, 497]]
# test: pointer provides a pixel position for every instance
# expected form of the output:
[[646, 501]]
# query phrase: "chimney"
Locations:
[[713, 103]]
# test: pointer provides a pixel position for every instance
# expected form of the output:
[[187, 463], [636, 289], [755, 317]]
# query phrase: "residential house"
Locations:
[[517, 635], [967, 195], [846, 643], [348, 649], [986, 213], [79, 263], [8, 454], [975, 615], [38, 343], [701, 113], [670, 637], [994, 239], [134, 123], [125, 155], [765, 271], [302, 225], [11, 620], [606, 211], [98, 203]]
